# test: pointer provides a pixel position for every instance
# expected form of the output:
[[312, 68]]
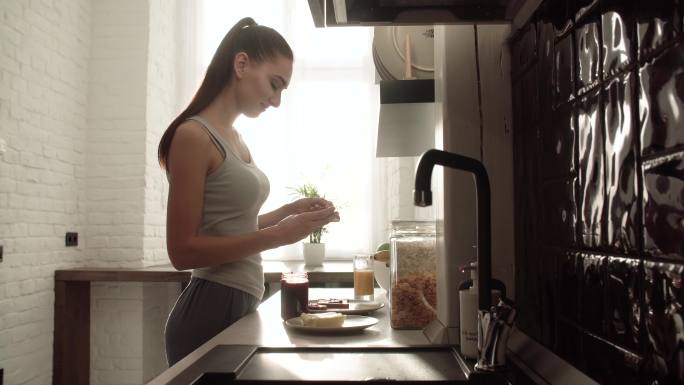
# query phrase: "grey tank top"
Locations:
[[233, 195]]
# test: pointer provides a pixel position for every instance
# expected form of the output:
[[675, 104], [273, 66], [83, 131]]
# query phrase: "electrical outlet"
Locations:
[[71, 239]]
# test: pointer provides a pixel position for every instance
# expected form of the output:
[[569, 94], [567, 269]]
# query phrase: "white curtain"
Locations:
[[324, 131]]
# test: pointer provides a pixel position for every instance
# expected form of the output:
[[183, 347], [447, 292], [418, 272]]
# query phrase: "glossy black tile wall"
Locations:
[[621, 161], [661, 93], [664, 206], [617, 22], [664, 353], [588, 55], [623, 310], [591, 169], [598, 89], [657, 23], [563, 82], [558, 144]]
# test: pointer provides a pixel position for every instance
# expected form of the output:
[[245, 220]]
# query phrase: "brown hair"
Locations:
[[259, 42]]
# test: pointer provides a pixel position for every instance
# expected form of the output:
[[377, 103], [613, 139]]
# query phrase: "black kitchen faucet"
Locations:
[[494, 322], [422, 196]]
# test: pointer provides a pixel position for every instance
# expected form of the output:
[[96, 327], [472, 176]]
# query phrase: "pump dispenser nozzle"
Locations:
[[472, 267]]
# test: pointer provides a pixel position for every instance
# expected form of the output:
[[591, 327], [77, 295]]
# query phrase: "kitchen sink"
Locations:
[[331, 365]]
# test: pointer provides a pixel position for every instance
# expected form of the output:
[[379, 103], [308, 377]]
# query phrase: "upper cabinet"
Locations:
[[329, 13]]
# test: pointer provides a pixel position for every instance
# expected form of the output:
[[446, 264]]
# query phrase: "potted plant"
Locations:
[[314, 250]]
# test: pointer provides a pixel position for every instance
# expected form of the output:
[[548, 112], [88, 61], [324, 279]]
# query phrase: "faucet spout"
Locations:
[[422, 196]]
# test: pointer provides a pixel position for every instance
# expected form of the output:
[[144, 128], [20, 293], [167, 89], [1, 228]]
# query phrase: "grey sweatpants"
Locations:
[[203, 310]]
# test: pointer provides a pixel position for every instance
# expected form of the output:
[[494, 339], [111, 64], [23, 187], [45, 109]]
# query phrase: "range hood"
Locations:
[[406, 125], [330, 13]]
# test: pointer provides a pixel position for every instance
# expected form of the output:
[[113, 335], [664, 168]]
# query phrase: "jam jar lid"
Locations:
[[294, 276]]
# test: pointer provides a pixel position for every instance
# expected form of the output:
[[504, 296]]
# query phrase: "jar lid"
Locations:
[[294, 276], [413, 226], [404, 227]]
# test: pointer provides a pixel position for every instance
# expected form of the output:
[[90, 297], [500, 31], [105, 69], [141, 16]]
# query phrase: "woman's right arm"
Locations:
[[189, 161]]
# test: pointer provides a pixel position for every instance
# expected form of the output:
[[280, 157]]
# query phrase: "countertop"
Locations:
[[339, 271], [71, 350], [265, 328]]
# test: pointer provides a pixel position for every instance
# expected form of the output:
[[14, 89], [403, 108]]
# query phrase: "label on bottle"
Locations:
[[468, 317]]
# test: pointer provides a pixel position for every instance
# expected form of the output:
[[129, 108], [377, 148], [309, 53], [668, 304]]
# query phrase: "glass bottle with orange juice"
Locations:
[[363, 277]]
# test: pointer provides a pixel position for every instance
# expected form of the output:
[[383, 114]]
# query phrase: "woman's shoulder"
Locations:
[[191, 132], [191, 138], [191, 127]]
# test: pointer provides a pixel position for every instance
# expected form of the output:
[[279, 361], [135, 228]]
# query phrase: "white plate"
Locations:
[[389, 43], [351, 323], [381, 272], [355, 307], [380, 68]]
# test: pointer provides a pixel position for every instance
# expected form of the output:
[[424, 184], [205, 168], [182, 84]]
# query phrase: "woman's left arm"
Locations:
[[271, 218], [297, 207]]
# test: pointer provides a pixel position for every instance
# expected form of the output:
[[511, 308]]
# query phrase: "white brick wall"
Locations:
[[127, 330], [116, 132], [115, 184], [44, 51], [138, 37], [158, 299], [116, 330], [160, 109], [86, 88]]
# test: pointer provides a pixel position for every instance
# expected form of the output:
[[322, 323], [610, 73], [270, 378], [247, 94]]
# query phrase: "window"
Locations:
[[324, 131]]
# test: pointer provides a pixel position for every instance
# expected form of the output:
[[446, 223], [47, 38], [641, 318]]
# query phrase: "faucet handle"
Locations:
[[494, 327], [505, 310]]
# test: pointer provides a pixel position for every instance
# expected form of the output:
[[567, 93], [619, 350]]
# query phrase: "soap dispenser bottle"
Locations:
[[468, 306], [467, 298]]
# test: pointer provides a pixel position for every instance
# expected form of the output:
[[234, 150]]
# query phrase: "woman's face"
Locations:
[[260, 85]]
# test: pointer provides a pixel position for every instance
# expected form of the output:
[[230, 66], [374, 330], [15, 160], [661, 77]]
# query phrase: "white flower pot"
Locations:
[[314, 253]]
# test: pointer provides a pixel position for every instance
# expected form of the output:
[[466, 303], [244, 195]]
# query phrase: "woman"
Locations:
[[216, 189]]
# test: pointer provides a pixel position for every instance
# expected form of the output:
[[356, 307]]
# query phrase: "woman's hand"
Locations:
[[305, 205], [298, 226], [300, 206]]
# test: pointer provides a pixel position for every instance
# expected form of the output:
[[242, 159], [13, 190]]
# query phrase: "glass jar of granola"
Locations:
[[413, 274]]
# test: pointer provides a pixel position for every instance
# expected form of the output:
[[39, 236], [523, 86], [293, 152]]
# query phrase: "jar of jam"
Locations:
[[294, 294]]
